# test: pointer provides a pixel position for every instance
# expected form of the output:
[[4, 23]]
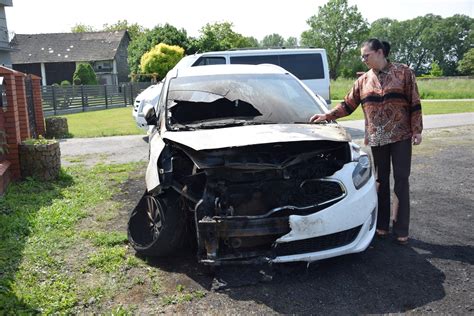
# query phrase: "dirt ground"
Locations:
[[432, 274]]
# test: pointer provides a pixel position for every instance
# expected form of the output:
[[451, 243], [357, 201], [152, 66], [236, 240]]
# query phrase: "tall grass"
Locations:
[[454, 88]]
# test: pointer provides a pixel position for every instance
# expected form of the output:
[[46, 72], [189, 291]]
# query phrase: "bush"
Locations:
[[84, 74], [65, 83], [436, 70], [466, 64], [160, 59]]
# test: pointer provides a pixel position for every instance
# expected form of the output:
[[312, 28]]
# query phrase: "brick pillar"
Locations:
[[38, 101], [22, 107], [15, 121], [12, 122], [5, 175]]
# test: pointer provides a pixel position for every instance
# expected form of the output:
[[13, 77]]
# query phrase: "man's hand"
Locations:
[[317, 118], [416, 139]]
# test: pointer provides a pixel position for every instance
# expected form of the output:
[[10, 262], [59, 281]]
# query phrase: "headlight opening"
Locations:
[[362, 172]]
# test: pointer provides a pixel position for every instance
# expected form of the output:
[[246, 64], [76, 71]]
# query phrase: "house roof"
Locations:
[[64, 47]]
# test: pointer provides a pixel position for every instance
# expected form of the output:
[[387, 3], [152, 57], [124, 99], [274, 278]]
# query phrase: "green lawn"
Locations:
[[111, 122], [428, 108], [64, 249], [428, 88], [41, 238]]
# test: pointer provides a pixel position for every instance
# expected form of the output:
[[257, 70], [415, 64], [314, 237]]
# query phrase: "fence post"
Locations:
[[131, 94], [124, 90], [82, 98], [54, 100], [106, 101]]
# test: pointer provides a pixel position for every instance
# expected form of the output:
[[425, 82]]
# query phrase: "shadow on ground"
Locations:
[[387, 278]]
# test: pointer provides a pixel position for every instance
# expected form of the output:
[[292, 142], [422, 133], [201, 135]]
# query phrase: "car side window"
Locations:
[[204, 61]]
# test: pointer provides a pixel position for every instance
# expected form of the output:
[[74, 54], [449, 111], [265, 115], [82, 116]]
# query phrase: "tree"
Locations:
[[134, 30], [454, 36], [351, 64], [291, 42], [339, 29], [428, 39], [418, 43], [466, 65], [160, 59], [252, 41], [81, 28], [273, 40], [436, 70], [220, 36], [84, 74], [166, 34]]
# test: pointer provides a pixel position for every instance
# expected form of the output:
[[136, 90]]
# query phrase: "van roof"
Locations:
[[265, 51], [230, 69]]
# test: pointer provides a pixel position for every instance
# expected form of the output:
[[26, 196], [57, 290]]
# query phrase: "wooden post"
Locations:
[[54, 100], [106, 101], [82, 98]]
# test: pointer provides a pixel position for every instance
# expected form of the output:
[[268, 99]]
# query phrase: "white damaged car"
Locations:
[[235, 165]]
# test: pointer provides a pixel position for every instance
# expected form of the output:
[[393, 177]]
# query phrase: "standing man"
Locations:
[[393, 122]]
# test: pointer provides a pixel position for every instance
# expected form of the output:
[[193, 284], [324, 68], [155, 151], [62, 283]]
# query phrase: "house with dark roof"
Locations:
[[5, 48], [53, 57]]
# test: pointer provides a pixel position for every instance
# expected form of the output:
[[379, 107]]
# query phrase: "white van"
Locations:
[[310, 65], [149, 95]]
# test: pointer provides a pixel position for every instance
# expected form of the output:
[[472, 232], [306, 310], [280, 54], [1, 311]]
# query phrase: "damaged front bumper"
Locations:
[[291, 234]]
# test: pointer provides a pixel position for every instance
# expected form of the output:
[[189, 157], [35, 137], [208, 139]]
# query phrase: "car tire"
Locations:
[[157, 225]]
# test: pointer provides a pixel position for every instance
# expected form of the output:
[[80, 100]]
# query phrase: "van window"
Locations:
[[303, 66], [204, 61], [255, 60]]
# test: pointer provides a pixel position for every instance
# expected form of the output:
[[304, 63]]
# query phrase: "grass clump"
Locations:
[[38, 141], [108, 259], [182, 295], [105, 239]]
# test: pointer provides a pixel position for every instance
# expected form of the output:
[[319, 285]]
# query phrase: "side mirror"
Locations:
[[150, 114]]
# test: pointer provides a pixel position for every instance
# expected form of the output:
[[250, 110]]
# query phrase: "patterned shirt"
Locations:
[[390, 102]]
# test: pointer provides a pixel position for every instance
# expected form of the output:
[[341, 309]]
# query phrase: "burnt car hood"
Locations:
[[257, 134]]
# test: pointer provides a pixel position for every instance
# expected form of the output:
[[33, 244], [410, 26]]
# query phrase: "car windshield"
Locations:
[[238, 99]]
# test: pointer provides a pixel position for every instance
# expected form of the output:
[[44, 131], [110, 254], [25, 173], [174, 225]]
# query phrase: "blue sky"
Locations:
[[250, 17]]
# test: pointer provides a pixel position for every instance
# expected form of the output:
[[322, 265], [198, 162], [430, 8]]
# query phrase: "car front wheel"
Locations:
[[156, 226]]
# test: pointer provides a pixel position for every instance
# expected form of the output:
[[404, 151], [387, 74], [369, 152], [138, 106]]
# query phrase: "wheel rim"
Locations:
[[155, 218]]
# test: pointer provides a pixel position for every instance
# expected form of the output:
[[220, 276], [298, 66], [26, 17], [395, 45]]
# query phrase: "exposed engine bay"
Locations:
[[240, 198]]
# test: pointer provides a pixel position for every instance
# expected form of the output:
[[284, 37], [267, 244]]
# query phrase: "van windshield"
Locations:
[[238, 99]]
